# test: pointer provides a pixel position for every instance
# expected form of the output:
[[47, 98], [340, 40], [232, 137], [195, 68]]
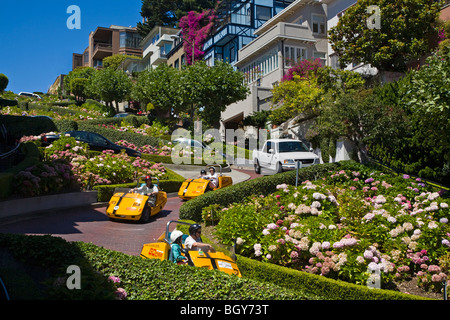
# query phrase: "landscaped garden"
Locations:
[[354, 224]]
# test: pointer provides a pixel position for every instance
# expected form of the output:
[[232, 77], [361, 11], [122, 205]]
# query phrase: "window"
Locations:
[[263, 13], [293, 55], [257, 69], [242, 15], [267, 147], [98, 63], [129, 40], [232, 54], [322, 56], [292, 146], [318, 24]]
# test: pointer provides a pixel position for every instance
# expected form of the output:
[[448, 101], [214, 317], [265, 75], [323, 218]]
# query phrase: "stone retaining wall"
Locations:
[[18, 208]]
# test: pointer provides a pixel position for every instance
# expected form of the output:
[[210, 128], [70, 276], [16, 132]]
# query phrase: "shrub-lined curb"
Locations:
[[328, 289], [192, 210]]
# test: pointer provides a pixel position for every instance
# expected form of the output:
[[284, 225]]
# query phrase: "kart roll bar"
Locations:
[[166, 237]]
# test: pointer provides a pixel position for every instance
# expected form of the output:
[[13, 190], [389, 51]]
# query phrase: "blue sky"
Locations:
[[36, 45]]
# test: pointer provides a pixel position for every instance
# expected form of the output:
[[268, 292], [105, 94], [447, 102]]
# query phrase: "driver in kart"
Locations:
[[194, 241], [214, 179], [149, 189]]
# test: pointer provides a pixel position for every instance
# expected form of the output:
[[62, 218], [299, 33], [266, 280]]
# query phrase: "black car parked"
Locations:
[[95, 141]]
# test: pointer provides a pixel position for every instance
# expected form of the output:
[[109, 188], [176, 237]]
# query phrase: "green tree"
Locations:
[[296, 97], [404, 33], [162, 88], [257, 119], [3, 82], [109, 85], [210, 90], [421, 145], [78, 86], [116, 60], [358, 116], [80, 72]]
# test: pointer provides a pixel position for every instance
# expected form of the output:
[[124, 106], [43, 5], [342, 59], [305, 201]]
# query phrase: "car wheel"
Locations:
[[257, 167], [279, 168], [145, 217]]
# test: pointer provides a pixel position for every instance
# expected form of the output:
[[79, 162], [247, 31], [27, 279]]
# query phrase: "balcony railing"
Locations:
[[102, 46], [281, 30]]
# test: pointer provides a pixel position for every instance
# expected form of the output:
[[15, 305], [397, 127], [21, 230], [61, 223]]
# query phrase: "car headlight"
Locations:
[[289, 161], [316, 160]]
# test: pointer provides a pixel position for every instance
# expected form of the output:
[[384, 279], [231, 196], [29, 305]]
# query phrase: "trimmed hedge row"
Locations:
[[192, 209], [114, 135], [328, 289], [32, 157], [19, 126], [172, 184], [142, 279]]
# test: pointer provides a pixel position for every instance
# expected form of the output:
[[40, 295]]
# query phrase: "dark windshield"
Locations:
[[292, 146]]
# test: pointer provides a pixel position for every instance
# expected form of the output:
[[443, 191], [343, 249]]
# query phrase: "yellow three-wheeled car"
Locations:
[[211, 260], [192, 188], [126, 205]]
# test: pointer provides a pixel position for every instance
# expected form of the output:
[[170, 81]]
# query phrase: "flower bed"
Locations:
[[68, 161], [349, 225]]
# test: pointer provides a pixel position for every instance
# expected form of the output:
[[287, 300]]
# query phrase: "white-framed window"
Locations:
[[293, 55], [318, 24], [322, 56], [259, 68]]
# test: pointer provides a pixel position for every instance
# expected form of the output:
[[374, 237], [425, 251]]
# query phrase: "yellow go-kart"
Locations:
[[126, 205], [201, 259], [192, 188]]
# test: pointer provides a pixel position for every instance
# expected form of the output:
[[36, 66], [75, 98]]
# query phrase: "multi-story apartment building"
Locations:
[[236, 23], [156, 45], [104, 42], [176, 57], [296, 33]]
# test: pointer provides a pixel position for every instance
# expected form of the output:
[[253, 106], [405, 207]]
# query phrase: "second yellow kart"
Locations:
[[192, 188], [211, 260], [126, 205]]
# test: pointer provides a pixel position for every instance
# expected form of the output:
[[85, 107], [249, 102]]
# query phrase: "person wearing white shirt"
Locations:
[[214, 179], [148, 189], [194, 241]]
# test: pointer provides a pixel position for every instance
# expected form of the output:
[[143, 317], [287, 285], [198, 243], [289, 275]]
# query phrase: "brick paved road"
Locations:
[[92, 225]]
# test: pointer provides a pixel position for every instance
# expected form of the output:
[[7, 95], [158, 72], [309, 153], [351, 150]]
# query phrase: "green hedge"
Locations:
[[114, 135], [192, 209], [32, 157], [142, 279], [173, 184], [7, 103], [315, 285], [19, 126], [136, 121], [168, 159]]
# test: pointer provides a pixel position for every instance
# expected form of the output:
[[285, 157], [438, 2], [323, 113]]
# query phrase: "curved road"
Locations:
[[92, 225]]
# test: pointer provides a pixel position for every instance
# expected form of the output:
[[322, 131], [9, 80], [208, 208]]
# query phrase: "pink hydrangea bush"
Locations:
[[346, 226]]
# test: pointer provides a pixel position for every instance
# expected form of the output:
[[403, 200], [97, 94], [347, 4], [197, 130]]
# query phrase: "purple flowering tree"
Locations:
[[195, 29], [302, 69]]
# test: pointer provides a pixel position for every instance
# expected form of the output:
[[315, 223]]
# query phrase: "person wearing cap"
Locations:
[[203, 174], [214, 179], [148, 189], [175, 253], [194, 241]]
